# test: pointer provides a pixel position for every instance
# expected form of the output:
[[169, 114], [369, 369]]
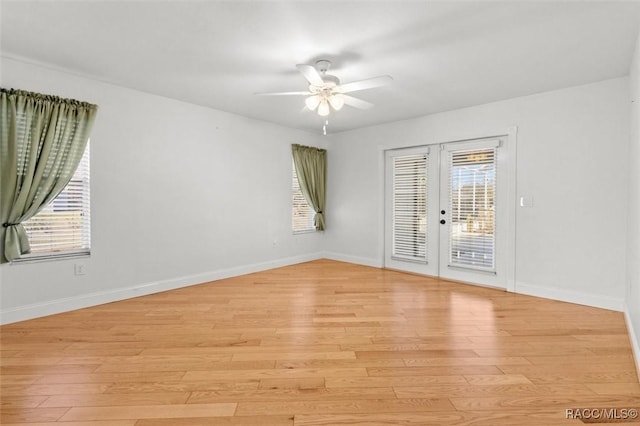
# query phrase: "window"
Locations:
[[409, 222], [301, 212], [63, 227], [472, 188]]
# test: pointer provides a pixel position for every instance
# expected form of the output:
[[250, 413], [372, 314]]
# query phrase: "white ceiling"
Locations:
[[442, 55]]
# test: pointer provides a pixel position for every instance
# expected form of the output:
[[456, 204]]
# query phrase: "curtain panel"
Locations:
[[42, 139], [311, 168]]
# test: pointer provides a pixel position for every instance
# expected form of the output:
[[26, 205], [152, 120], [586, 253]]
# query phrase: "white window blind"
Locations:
[[63, 226], [301, 212], [409, 224], [472, 192]]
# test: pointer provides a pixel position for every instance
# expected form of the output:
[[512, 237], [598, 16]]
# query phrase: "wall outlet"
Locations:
[[79, 269]]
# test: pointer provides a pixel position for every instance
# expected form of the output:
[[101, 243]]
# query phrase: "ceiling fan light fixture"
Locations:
[[326, 92], [336, 101], [323, 108], [312, 102]]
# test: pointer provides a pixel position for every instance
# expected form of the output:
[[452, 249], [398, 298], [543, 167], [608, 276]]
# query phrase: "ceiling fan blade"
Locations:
[[369, 83], [355, 102], [311, 74], [284, 93]]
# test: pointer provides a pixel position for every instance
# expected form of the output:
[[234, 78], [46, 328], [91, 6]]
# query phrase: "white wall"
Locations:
[[633, 219], [180, 194], [571, 245], [571, 159]]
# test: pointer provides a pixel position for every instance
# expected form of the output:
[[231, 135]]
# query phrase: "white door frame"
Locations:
[[510, 150], [497, 276], [430, 266]]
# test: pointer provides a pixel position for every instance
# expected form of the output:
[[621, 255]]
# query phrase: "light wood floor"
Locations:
[[320, 343]]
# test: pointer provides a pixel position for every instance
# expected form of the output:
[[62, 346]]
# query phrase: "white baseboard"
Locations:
[[36, 310], [633, 337], [366, 261], [579, 298]]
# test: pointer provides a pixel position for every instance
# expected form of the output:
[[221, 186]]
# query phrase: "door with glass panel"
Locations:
[[445, 213], [411, 210]]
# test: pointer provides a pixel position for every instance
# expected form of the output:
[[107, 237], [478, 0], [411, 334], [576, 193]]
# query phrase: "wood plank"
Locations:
[[276, 373], [110, 377], [496, 379], [180, 386], [314, 339], [7, 361], [584, 377], [448, 370], [483, 391], [350, 406], [615, 388], [178, 365], [46, 369], [89, 423], [30, 415], [221, 421], [147, 359], [21, 401], [497, 361], [412, 354], [567, 368], [293, 355], [538, 418], [63, 389], [585, 359], [524, 402], [313, 394], [304, 383], [21, 379], [191, 350], [101, 400], [393, 381], [149, 412]]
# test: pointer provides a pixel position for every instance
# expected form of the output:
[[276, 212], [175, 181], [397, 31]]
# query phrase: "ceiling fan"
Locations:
[[325, 91]]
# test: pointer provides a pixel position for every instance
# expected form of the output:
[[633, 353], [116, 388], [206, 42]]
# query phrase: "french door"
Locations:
[[445, 212]]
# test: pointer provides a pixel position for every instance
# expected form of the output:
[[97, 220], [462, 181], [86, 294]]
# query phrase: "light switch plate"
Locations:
[[526, 201]]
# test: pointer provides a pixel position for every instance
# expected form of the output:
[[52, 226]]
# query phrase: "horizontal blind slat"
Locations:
[[472, 186], [64, 224], [409, 239], [302, 213]]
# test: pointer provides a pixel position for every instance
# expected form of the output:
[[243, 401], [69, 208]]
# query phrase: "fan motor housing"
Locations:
[[323, 65]]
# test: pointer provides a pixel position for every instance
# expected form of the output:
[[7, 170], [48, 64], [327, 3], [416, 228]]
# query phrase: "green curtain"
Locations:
[[311, 168], [42, 139]]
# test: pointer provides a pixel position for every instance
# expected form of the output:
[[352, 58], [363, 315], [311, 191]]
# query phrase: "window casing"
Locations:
[[63, 227], [302, 213]]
